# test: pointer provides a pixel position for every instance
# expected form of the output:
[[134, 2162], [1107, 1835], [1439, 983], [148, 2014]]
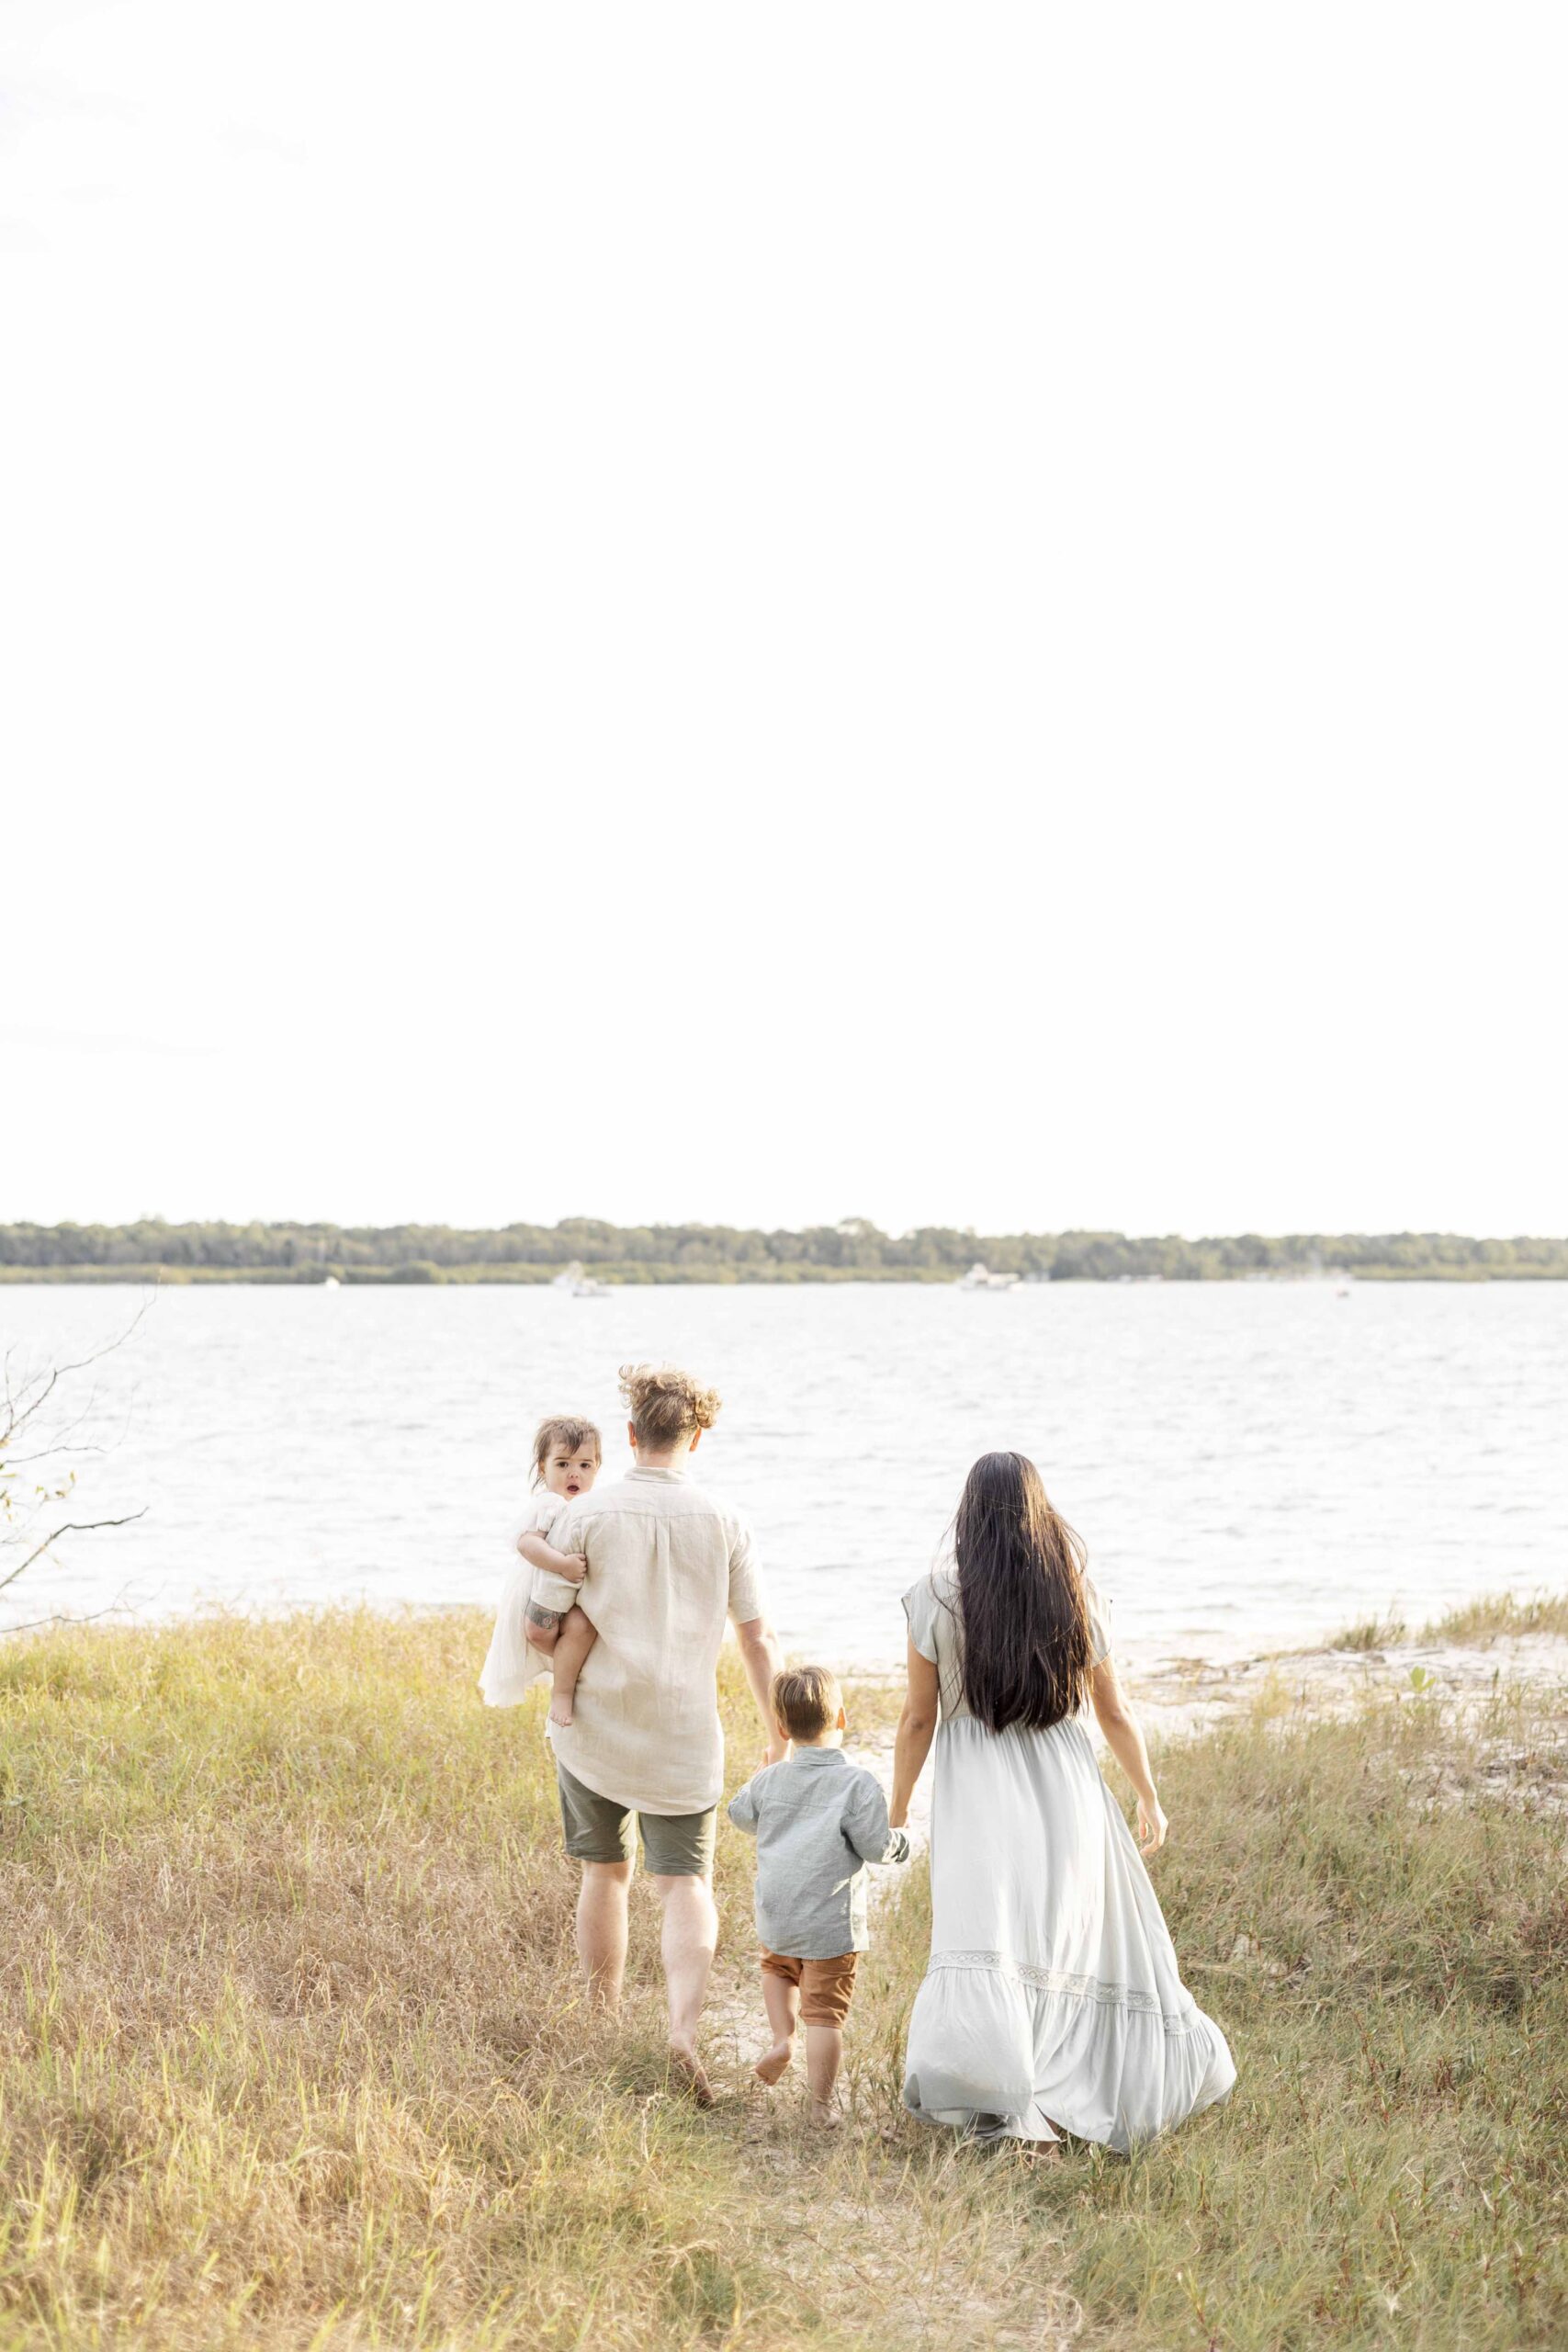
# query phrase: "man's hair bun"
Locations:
[[666, 1403]]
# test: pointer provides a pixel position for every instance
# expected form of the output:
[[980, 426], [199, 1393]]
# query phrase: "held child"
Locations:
[[540, 1629], [818, 1820]]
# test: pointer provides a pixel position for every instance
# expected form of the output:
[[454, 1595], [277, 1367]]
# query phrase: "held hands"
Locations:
[[1152, 1826], [776, 1752], [573, 1567]]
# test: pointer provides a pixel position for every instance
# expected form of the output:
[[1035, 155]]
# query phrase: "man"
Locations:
[[666, 1565]]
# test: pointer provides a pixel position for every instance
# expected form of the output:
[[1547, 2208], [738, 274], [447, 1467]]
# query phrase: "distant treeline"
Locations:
[[853, 1251]]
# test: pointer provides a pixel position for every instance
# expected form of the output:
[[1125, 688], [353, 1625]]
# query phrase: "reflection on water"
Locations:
[[1249, 1463]]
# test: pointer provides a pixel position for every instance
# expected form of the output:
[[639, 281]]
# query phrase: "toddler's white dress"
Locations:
[[1052, 1994], [510, 1665]]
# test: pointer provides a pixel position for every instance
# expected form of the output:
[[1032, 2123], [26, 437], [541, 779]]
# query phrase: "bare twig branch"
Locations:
[[48, 1453], [28, 1501], [69, 1527], [31, 1624], [23, 1411]]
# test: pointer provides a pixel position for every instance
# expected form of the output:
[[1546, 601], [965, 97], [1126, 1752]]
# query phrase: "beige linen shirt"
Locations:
[[666, 1562]]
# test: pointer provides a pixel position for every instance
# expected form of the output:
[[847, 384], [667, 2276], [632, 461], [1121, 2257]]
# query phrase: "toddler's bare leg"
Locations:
[[781, 2001], [576, 1638], [542, 1627], [823, 2056]]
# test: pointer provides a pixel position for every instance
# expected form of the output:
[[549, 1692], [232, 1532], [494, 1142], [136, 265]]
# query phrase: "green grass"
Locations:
[[291, 2053], [1371, 1634], [1476, 1623], [1484, 1620]]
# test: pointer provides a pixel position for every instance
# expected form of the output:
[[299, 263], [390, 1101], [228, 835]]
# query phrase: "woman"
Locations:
[[1052, 2002]]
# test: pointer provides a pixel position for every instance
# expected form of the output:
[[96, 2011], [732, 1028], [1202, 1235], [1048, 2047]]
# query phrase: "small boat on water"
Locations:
[[331, 1282], [577, 1284], [980, 1278]]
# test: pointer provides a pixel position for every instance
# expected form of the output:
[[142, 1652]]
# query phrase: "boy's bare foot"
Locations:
[[561, 1712], [684, 2061], [773, 2062], [825, 2116]]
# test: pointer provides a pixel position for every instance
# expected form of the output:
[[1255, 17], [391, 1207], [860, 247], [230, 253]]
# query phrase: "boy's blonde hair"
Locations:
[[665, 1404], [806, 1699], [564, 1429]]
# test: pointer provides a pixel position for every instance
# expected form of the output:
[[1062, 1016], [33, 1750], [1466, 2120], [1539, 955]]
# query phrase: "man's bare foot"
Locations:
[[825, 2116], [561, 1711], [684, 2061], [773, 2062]]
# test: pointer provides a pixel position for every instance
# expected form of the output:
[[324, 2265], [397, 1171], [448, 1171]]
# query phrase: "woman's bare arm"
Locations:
[[917, 1729], [1124, 1737]]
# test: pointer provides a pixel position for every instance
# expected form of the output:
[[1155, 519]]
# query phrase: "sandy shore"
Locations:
[[1182, 1698]]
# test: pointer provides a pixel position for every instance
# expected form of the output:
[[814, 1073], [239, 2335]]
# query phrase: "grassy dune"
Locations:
[[1476, 1624], [291, 2053]]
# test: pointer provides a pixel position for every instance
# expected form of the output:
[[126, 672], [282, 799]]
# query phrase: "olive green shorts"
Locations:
[[674, 1844]]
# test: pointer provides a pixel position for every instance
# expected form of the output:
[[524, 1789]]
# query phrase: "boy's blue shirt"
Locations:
[[818, 1820]]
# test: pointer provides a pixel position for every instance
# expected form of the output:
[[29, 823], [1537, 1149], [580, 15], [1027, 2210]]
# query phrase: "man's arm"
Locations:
[[558, 1573], [760, 1656]]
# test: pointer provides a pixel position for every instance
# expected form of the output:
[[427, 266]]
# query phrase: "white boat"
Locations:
[[331, 1282], [979, 1278], [579, 1285]]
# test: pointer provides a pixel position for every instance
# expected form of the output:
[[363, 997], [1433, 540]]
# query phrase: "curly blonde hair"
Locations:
[[666, 1403]]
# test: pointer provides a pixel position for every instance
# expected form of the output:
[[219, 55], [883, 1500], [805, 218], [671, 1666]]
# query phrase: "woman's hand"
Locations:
[[1152, 1825]]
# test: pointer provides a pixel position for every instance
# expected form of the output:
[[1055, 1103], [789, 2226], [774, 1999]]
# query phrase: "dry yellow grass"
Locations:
[[291, 2048], [291, 2053]]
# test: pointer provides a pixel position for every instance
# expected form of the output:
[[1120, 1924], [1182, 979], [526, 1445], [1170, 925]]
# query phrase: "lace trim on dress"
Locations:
[[1062, 1980]]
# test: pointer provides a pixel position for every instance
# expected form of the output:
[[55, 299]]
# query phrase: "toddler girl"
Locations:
[[540, 1629]]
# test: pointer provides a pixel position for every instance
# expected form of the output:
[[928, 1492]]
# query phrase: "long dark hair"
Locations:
[[1027, 1654]]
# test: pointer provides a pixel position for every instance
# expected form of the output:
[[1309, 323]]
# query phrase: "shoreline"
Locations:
[[1180, 1694], [1185, 1697], [544, 1277]]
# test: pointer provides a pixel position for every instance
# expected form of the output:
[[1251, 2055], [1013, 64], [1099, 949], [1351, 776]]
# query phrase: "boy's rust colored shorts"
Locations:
[[827, 1986]]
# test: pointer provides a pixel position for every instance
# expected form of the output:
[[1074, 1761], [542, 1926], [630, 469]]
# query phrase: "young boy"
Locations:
[[818, 1820]]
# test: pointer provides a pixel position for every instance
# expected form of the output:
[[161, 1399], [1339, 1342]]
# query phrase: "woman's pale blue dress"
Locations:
[[1053, 1995]]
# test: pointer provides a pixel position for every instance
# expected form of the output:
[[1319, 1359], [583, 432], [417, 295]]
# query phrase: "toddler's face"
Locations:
[[570, 1474]]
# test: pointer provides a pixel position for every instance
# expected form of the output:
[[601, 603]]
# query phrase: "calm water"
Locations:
[[1249, 1463]]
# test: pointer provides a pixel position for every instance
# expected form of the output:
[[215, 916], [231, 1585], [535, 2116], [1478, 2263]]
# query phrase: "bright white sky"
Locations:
[[949, 615]]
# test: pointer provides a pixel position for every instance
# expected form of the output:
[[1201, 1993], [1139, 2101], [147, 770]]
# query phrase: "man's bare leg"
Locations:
[[602, 1930], [781, 2001], [687, 1942]]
